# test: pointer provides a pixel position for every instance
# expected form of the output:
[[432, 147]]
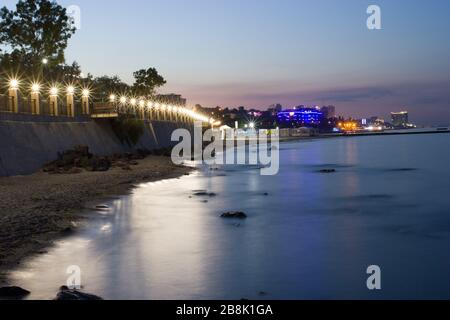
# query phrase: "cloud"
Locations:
[[355, 94]]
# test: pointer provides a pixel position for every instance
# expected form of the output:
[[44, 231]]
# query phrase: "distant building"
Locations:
[[300, 117], [276, 107], [329, 112], [175, 99], [400, 119]]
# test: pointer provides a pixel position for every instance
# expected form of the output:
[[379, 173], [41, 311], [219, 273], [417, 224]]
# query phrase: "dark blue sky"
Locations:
[[259, 52]]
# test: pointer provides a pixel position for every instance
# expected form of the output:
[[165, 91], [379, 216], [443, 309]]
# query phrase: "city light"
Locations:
[[54, 91], [133, 102], [251, 125], [35, 88], [70, 90], [14, 84], [85, 93], [44, 61], [348, 126]]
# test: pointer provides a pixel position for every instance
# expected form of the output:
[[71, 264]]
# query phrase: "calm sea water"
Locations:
[[312, 237]]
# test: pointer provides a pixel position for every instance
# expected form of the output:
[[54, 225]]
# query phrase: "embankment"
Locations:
[[28, 142]]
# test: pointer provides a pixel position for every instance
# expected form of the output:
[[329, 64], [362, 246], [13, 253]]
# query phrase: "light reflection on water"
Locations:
[[311, 237]]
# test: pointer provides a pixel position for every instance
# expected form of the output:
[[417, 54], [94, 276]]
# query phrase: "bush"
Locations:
[[128, 130]]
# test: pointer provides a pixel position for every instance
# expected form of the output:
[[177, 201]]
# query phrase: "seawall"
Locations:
[[28, 142]]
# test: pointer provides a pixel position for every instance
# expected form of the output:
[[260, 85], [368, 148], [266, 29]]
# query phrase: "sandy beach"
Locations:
[[37, 209]]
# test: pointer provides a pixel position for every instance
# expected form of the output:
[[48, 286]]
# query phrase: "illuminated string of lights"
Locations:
[[122, 103]]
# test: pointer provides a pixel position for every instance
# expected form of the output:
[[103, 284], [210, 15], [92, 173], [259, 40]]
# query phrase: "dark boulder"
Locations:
[[102, 164], [13, 293], [204, 194], [327, 171], [234, 215], [66, 294]]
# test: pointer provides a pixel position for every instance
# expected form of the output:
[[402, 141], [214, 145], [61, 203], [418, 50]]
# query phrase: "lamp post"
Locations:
[[142, 109], [150, 110], [123, 103], [54, 101], [158, 115], [163, 108], [35, 100], [133, 103], [85, 101], [70, 101], [13, 95]]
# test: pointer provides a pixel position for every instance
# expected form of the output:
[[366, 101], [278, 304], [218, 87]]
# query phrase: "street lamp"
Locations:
[[35, 88], [70, 90], [85, 100], [70, 101], [35, 101], [53, 91], [45, 61], [14, 84], [54, 101]]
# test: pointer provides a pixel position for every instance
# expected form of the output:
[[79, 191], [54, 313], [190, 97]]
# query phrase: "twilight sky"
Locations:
[[259, 52]]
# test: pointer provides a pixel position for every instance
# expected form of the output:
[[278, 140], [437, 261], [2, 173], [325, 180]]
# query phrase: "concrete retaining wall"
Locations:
[[26, 145]]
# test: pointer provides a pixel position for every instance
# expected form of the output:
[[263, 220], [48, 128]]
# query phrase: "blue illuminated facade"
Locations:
[[302, 116]]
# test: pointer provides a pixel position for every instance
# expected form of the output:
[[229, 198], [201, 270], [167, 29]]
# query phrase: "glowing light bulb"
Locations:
[[70, 90], [14, 84], [112, 98], [85, 93], [35, 88], [123, 100], [133, 102], [54, 91]]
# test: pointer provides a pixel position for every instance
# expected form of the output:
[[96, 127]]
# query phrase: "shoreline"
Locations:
[[38, 209]]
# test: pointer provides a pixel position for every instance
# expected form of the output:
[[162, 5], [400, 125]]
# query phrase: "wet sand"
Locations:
[[35, 210]]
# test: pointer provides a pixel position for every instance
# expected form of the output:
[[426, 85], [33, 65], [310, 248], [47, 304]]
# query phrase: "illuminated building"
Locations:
[[348, 125], [301, 116], [400, 119]]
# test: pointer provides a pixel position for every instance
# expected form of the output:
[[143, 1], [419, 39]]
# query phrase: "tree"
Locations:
[[105, 86], [146, 81], [63, 73], [35, 30]]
